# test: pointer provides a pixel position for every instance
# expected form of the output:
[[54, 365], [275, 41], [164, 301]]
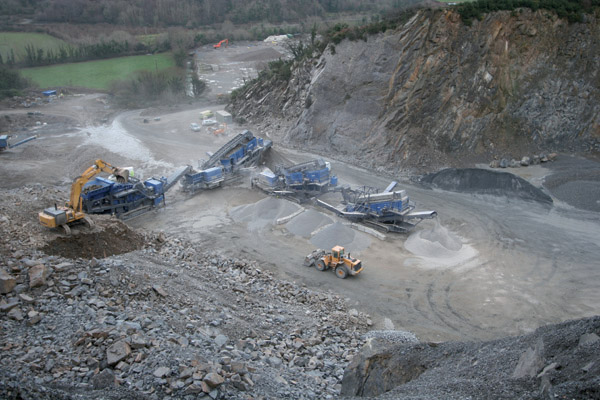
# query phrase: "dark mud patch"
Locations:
[[104, 241], [482, 181]]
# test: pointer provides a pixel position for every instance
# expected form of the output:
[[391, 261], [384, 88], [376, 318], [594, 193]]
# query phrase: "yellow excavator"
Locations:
[[54, 217]]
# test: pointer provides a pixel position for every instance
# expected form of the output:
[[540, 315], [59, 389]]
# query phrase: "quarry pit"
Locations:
[[488, 266]]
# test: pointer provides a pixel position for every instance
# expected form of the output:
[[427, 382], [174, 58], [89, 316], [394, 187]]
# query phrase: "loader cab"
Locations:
[[337, 253]]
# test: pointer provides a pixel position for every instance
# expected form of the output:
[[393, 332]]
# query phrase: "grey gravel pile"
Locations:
[[307, 222], [342, 235]]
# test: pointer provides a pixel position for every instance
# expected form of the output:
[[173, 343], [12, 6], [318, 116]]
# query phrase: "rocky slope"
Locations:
[[100, 319], [558, 361], [435, 92], [121, 314]]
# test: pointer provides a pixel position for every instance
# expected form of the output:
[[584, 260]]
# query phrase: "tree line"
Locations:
[[119, 44], [11, 82], [38, 56], [188, 13]]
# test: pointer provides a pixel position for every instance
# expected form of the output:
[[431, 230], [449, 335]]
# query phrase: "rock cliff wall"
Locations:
[[436, 93]]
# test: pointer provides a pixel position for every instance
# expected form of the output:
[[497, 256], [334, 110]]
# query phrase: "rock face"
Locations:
[[435, 92], [554, 359]]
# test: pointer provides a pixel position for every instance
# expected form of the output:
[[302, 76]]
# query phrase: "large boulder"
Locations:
[[7, 282], [37, 275], [117, 352]]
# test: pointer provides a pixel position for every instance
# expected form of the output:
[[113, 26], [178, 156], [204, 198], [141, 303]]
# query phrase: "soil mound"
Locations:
[[482, 181], [109, 238]]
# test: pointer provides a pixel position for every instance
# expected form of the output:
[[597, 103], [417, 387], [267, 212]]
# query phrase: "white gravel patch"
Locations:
[[439, 247], [263, 213]]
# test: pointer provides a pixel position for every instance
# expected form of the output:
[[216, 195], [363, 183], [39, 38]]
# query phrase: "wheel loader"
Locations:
[[343, 265]]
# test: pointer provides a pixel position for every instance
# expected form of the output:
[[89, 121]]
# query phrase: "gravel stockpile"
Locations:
[[307, 222], [438, 246], [264, 212], [342, 235], [483, 181], [436, 242]]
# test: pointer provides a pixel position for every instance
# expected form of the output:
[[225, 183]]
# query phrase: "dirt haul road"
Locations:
[[487, 267]]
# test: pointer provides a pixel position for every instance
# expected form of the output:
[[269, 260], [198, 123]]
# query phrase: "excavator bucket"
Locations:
[[121, 174]]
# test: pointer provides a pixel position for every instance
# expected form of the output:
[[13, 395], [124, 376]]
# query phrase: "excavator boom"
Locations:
[[54, 217], [98, 167], [226, 41]]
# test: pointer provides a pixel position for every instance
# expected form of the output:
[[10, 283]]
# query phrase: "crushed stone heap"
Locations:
[[167, 320]]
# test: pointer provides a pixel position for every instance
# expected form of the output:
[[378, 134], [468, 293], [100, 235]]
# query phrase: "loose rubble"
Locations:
[[523, 162], [167, 320]]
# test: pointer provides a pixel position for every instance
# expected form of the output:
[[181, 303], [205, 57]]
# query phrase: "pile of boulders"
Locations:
[[524, 162], [168, 320]]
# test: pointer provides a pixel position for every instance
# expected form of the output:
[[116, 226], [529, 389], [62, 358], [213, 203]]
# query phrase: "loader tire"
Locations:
[[321, 265], [341, 272]]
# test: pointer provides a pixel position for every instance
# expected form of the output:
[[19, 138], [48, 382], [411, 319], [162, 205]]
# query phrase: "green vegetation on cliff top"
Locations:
[[573, 10]]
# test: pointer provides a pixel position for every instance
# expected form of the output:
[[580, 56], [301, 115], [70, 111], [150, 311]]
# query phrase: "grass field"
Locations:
[[96, 74], [18, 40]]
